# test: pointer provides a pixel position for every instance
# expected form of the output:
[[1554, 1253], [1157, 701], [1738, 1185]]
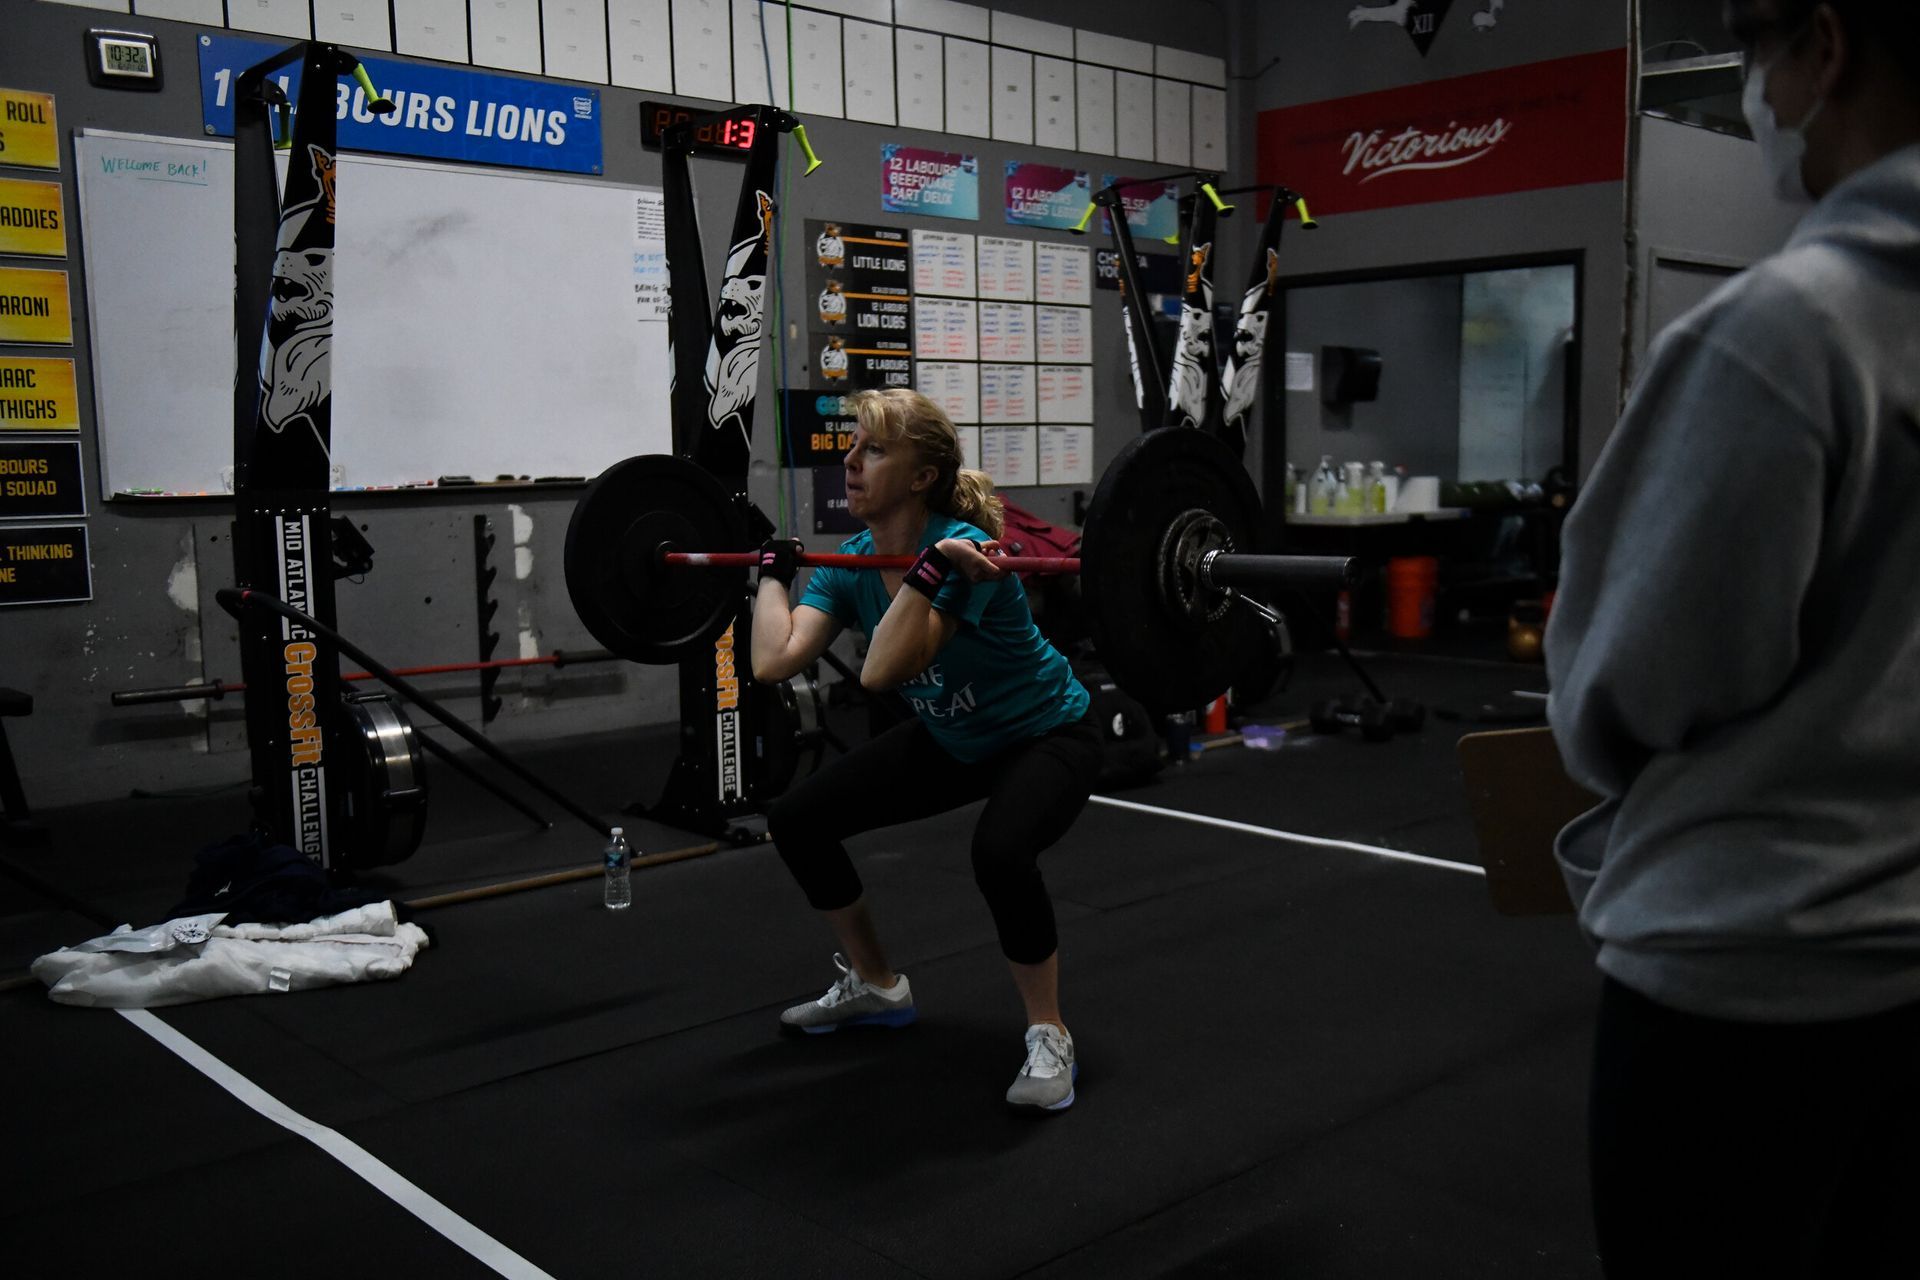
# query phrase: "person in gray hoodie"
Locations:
[[1734, 654]]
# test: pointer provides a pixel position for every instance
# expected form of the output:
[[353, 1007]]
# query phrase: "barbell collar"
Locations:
[[1222, 569]]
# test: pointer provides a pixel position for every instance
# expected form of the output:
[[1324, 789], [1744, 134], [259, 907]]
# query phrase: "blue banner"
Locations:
[[443, 113]]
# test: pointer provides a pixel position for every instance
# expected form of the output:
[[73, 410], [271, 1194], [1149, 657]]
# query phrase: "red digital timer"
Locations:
[[729, 136]]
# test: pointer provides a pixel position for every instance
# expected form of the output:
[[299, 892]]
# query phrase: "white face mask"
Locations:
[[1782, 149]]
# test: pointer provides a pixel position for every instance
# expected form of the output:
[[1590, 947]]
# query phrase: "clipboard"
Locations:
[[1521, 797]]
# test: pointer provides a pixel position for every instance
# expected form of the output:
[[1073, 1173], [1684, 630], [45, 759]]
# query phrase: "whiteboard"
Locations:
[[486, 323]]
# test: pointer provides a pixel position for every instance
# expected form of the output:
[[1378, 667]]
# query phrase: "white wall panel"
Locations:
[[1200, 68], [944, 16], [871, 10], [273, 17], [1133, 115], [752, 60], [969, 89], [1012, 96], [364, 24], [431, 29], [1172, 122], [919, 77], [1209, 128], [1035, 37], [703, 50], [1112, 51], [208, 13], [819, 87], [1093, 108], [869, 64], [506, 34], [575, 39], [1053, 102], [640, 51]]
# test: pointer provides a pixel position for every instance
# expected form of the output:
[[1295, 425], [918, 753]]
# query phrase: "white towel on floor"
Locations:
[[198, 958]]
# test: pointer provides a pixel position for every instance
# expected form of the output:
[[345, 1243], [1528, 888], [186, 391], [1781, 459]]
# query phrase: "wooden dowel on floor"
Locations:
[[557, 877]]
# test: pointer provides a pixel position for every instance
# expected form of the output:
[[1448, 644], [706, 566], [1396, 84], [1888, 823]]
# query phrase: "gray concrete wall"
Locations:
[[1415, 326], [152, 621], [1703, 208]]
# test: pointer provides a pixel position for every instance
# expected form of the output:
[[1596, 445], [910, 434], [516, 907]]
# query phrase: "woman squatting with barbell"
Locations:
[[998, 715]]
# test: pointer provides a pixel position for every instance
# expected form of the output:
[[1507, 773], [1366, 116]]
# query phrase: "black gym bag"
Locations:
[[1129, 746]]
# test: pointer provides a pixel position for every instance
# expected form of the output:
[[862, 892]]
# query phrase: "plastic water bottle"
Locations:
[[619, 859]]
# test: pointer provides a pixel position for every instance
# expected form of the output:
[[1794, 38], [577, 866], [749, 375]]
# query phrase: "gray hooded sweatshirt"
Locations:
[[1735, 647]]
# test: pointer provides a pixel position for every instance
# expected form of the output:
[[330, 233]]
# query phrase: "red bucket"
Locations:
[[1412, 583]]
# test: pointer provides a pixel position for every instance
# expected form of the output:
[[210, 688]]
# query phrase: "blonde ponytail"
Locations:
[[975, 502]]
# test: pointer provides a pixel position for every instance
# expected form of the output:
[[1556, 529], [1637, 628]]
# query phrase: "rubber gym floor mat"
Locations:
[[1222, 1028], [1324, 1217], [1342, 1035], [521, 983], [286, 1209]]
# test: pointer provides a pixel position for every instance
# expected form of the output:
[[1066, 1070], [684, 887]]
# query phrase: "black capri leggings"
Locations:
[[1034, 790]]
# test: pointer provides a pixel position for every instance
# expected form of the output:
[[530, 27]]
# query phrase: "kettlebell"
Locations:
[[1526, 633]]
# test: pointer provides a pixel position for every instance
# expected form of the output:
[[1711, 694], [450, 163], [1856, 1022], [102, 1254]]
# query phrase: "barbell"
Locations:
[[1163, 560]]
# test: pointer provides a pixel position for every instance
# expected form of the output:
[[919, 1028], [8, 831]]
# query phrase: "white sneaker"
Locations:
[[852, 1002], [1046, 1081]]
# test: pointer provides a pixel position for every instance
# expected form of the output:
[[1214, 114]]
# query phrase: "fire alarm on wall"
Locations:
[[123, 60]]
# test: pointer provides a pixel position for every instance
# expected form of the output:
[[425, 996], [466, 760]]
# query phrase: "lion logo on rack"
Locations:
[[296, 351], [1193, 349], [733, 361], [1242, 376]]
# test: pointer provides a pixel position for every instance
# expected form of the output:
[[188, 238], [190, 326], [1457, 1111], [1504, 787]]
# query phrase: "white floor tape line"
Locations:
[[1273, 833], [348, 1152]]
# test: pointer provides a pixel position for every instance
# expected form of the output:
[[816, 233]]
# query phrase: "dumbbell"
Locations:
[[1366, 715]]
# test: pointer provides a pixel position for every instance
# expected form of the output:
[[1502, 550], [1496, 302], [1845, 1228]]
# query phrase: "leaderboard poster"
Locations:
[[860, 306]]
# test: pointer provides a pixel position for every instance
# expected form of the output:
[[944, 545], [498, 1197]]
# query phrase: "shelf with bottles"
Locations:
[[1379, 517]]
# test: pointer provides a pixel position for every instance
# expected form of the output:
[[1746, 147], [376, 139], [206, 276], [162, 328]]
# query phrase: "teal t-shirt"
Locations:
[[996, 682]]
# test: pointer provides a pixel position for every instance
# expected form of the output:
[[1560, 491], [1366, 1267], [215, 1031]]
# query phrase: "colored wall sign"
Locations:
[[830, 514], [32, 218], [29, 136], [34, 307], [38, 394], [44, 564], [40, 478], [862, 259], [442, 112], [821, 427], [1548, 124], [1041, 195], [1159, 272], [859, 364], [937, 184], [1153, 208]]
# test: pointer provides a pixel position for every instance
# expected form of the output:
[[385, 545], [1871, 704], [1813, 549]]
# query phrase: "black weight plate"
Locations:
[[630, 602], [1161, 658], [385, 776]]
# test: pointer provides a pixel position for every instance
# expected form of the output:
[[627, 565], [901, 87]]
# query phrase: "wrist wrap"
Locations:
[[929, 572]]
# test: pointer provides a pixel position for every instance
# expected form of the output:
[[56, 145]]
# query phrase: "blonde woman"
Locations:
[[998, 716]]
